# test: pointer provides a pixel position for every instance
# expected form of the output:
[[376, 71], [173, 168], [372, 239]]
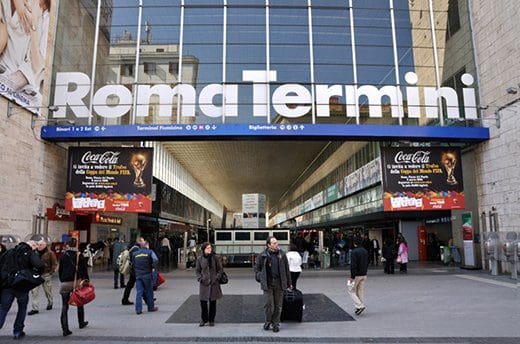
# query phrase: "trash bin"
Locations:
[[326, 260]]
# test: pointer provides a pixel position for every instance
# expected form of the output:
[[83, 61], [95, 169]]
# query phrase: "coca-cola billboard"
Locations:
[[422, 179], [109, 179]]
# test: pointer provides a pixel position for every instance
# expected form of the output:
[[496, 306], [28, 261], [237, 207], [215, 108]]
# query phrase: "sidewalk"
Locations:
[[428, 305]]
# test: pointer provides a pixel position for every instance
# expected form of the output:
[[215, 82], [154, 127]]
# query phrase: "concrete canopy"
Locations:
[[228, 169]]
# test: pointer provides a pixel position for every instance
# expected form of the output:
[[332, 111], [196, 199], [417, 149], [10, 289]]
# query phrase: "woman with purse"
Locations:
[[73, 266], [209, 271]]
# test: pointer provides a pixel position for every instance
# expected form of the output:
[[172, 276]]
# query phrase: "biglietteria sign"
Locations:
[[288, 100]]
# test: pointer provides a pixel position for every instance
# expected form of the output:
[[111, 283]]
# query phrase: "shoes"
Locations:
[[33, 312], [19, 335], [83, 324], [267, 326], [211, 323], [276, 328], [202, 323], [123, 285], [66, 333], [49, 307], [126, 303], [155, 309], [138, 313], [359, 310], [115, 287]]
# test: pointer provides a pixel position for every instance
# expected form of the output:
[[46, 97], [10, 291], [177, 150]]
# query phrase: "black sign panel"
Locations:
[[422, 179], [109, 179]]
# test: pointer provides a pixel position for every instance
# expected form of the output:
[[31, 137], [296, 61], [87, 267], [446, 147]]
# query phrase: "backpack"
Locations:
[[10, 263], [123, 261]]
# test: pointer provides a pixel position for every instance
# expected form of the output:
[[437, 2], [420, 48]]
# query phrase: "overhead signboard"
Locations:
[[109, 179], [158, 132], [422, 179]]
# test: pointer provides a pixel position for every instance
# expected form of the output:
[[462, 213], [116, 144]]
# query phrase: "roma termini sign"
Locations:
[[288, 100]]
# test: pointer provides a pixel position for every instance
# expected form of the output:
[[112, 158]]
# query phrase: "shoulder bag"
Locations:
[[83, 293]]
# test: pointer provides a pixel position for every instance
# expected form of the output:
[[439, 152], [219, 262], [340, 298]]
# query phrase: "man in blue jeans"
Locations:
[[19, 258], [144, 261]]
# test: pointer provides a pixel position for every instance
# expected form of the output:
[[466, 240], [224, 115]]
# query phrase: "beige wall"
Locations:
[[496, 33], [32, 173]]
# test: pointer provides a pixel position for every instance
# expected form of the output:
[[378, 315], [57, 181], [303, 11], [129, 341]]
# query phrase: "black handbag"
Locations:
[[26, 279], [223, 278]]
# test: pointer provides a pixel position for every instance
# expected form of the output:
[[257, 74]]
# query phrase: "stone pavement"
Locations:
[[431, 304]]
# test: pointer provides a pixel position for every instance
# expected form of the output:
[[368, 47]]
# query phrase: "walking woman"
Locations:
[[209, 270], [68, 268], [402, 254]]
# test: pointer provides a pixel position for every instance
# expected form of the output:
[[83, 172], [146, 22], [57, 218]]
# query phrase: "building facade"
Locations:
[[288, 62]]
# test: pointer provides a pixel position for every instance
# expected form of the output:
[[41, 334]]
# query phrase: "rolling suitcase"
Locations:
[[292, 308]]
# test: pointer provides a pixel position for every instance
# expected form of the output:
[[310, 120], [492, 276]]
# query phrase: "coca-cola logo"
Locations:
[[108, 157], [419, 157]]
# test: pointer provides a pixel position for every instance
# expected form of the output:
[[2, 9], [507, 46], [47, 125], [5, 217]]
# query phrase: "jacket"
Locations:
[[261, 270], [143, 261], [68, 266], [402, 254], [209, 286], [49, 261], [358, 262]]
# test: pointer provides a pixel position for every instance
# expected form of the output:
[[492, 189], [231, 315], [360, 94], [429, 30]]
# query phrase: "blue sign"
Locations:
[[186, 132]]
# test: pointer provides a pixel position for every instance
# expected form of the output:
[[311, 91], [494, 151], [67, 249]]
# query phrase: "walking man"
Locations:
[[19, 258], [272, 272], [358, 275], [50, 264]]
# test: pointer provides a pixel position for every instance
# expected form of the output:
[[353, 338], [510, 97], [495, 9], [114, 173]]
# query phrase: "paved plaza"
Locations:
[[431, 304]]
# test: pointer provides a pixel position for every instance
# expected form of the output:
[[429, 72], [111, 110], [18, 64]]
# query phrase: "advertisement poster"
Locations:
[[24, 30], [363, 177], [253, 210], [109, 179], [422, 179], [467, 237]]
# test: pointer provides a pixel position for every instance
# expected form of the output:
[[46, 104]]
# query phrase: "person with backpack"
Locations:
[[13, 262], [117, 248], [73, 265]]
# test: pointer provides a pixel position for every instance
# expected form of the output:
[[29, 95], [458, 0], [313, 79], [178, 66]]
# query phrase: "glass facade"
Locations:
[[262, 61]]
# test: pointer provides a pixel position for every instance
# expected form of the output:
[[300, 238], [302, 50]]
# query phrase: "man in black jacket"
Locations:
[[19, 258], [272, 272], [358, 275]]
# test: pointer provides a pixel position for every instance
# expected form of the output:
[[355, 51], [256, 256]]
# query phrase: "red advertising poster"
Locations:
[[422, 179], [105, 179]]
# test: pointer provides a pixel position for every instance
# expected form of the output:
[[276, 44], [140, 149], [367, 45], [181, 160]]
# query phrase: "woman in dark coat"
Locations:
[[209, 270], [67, 271]]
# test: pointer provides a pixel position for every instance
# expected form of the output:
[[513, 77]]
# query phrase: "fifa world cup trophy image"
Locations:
[[139, 162], [449, 160]]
